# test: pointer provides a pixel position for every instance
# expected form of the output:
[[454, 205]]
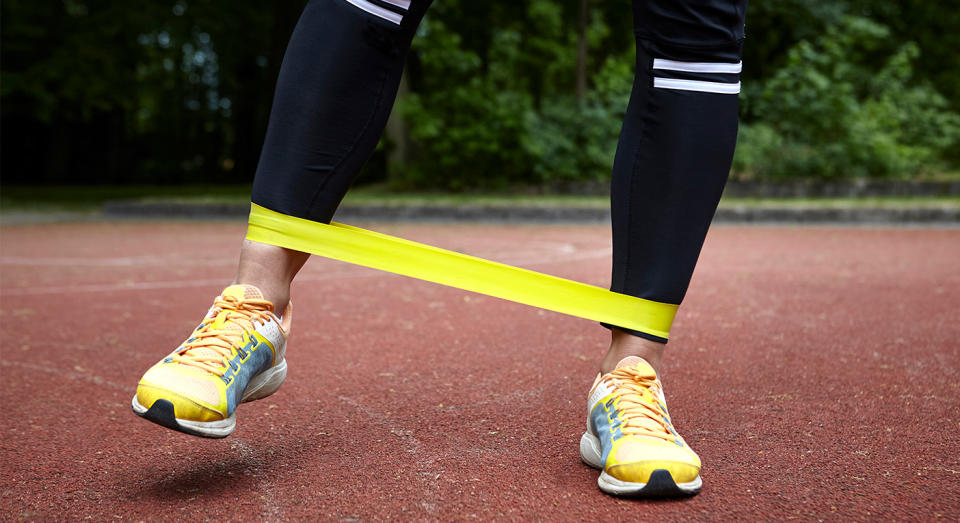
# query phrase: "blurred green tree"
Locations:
[[846, 105], [499, 93], [100, 91]]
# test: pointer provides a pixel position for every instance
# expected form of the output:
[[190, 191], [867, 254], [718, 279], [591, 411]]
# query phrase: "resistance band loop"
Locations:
[[387, 253]]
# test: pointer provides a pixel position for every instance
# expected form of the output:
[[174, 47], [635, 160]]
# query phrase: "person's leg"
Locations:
[[270, 269], [336, 87], [623, 345], [675, 151]]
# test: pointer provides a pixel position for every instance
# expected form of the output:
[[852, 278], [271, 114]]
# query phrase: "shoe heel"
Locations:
[[266, 383], [590, 451]]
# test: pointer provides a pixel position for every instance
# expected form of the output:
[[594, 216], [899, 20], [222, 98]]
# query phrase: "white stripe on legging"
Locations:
[[696, 85], [376, 10], [402, 4], [697, 67]]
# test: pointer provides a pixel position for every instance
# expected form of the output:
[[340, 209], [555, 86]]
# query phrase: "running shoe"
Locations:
[[631, 439], [235, 355]]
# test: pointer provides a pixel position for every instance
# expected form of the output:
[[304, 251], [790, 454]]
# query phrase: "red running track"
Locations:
[[815, 370]]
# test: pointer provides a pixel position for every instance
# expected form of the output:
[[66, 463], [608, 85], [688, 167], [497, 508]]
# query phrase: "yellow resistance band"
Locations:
[[387, 253]]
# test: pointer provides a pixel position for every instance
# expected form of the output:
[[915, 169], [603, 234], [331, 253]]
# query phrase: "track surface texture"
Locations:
[[815, 370]]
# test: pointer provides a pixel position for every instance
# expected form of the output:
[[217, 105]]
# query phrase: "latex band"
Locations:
[[387, 253]]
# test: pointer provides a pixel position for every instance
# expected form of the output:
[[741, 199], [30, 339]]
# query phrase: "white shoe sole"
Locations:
[[162, 411], [265, 383], [661, 483]]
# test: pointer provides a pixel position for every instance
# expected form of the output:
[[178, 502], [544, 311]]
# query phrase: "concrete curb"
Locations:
[[945, 215], [853, 215], [856, 188], [803, 188]]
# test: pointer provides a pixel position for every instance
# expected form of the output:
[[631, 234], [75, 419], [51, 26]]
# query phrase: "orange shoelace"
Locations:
[[219, 336], [638, 400]]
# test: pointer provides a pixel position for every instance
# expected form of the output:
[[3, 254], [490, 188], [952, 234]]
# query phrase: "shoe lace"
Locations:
[[637, 397], [218, 338]]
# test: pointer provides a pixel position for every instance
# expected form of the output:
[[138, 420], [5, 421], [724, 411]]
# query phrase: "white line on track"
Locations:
[[155, 285], [137, 261], [57, 371], [585, 255], [566, 257], [110, 287], [266, 488]]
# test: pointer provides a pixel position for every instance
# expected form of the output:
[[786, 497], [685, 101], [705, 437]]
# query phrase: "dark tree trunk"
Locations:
[[398, 132], [251, 107], [582, 50]]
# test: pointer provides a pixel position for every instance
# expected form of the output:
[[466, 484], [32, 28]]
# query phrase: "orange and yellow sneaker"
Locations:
[[631, 438], [235, 355]]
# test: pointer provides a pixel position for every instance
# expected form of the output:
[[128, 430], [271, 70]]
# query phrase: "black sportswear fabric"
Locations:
[[340, 76], [675, 148], [337, 85]]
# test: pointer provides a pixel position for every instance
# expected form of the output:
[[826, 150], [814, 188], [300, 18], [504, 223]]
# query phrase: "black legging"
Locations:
[[340, 76]]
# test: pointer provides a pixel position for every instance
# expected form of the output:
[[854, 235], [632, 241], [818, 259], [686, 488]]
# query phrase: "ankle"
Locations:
[[271, 269], [623, 345]]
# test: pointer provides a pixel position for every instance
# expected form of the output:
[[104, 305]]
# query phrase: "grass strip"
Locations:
[[92, 198]]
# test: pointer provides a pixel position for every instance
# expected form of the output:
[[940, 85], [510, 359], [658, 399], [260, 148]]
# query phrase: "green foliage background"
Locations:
[[103, 91]]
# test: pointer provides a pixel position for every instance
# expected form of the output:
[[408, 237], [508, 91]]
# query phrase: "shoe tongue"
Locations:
[[243, 292], [641, 364], [240, 292], [646, 372]]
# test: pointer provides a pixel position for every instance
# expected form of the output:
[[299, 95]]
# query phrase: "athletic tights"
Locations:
[[342, 69]]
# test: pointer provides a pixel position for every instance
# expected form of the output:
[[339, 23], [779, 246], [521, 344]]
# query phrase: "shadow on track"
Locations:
[[252, 467]]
